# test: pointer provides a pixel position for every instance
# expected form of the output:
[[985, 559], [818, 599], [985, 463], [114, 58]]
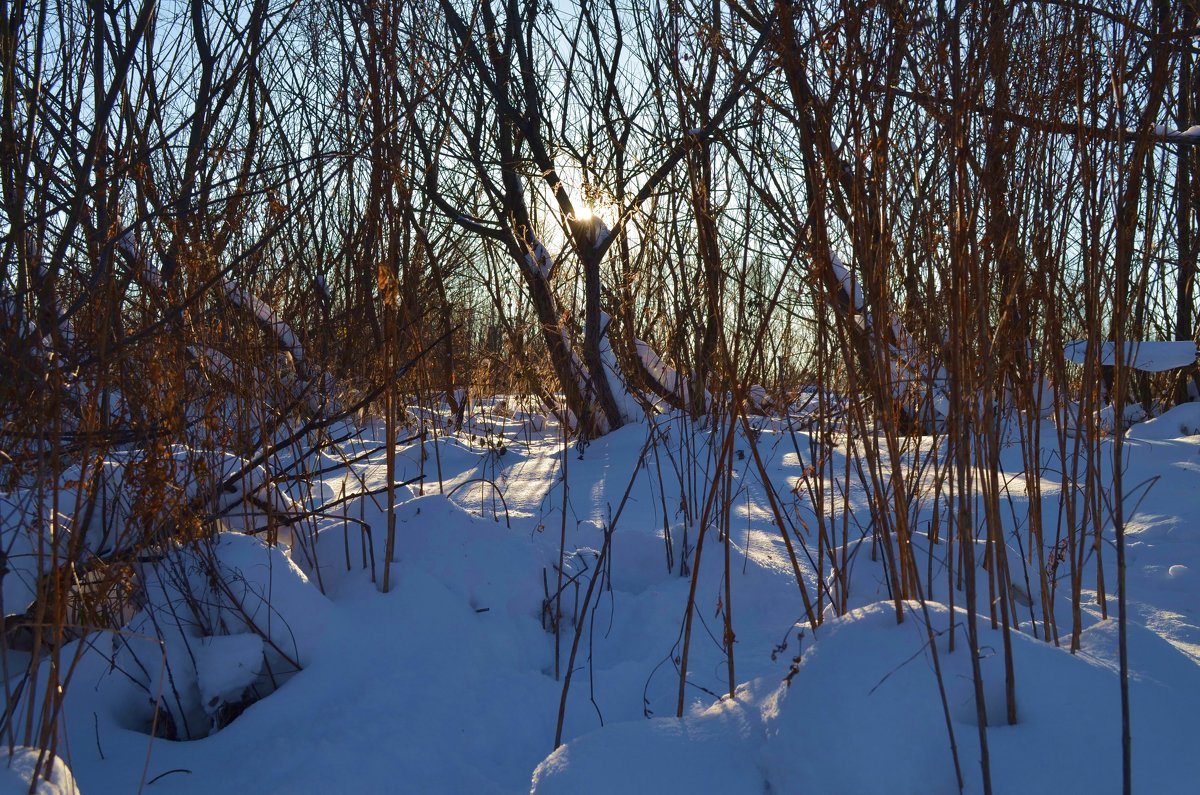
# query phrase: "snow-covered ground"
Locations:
[[452, 681]]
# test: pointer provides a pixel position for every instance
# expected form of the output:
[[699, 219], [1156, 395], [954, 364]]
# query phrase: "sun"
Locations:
[[583, 212]]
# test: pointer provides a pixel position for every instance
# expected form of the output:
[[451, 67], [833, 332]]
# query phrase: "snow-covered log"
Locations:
[[270, 321], [758, 400], [315, 384], [1149, 357], [851, 287], [214, 362], [664, 373]]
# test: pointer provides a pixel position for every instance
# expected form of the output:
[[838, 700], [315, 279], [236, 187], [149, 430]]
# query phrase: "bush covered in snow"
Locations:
[[225, 622]]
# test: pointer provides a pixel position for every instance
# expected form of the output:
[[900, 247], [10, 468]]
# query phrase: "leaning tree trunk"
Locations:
[[1187, 194]]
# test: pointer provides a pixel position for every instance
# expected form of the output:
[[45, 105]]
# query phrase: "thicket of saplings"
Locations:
[[236, 236]]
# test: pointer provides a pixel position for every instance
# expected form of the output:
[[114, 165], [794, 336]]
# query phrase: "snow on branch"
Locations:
[[851, 290], [539, 260], [1189, 136], [600, 233], [626, 404], [216, 363], [267, 317], [126, 245], [664, 373], [850, 285], [316, 384]]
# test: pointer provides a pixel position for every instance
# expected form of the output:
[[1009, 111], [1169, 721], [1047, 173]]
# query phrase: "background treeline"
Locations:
[[381, 171]]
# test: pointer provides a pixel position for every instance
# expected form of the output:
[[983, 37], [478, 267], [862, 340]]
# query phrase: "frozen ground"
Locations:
[[447, 684]]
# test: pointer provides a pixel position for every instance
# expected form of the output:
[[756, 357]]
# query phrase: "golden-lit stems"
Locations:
[[724, 461]]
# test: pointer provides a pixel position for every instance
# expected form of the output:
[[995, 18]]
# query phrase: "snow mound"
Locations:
[[494, 568], [1182, 420], [482, 562], [226, 665], [710, 752], [860, 712], [18, 770], [225, 622]]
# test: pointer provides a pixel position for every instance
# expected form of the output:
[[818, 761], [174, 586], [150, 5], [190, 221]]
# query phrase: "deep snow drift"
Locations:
[[448, 684]]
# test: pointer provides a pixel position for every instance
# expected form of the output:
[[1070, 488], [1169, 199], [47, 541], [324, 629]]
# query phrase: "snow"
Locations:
[[295, 672], [1178, 422], [863, 714], [851, 285], [316, 386], [219, 617], [1189, 135], [667, 376], [712, 751], [218, 483], [627, 405], [758, 399], [217, 363], [916, 379], [226, 665], [287, 338], [539, 260], [127, 244], [17, 772], [1151, 357], [662, 371], [602, 233]]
